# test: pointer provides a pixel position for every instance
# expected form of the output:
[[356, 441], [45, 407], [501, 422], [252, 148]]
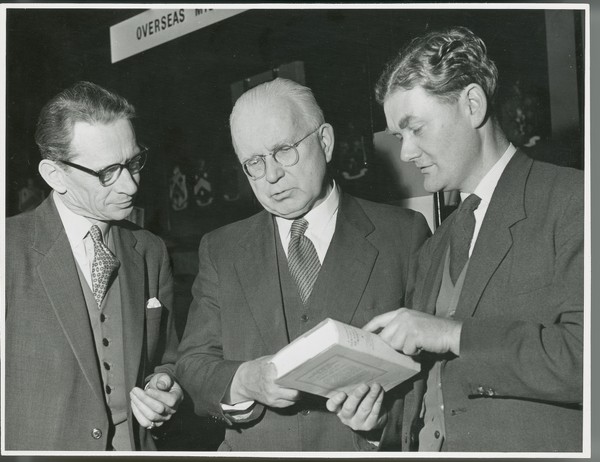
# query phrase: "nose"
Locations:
[[409, 150], [273, 170], [127, 183]]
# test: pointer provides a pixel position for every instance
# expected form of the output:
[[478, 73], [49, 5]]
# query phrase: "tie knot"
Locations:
[[470, 204], [96, 235], [299, 227]]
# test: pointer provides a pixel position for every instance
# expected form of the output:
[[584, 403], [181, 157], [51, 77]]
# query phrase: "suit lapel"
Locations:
[[348, 264], [258, 274], [131, 281], [495, 240], [58, 275]]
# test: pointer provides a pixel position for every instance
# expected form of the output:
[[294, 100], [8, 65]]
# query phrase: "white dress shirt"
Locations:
[[77, 229], [485, 190], [321, 224]]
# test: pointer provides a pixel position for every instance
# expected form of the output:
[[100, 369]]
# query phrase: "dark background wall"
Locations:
[[182, 91]]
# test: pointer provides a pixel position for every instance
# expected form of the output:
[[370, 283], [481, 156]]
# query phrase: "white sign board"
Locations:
[[155, 27]]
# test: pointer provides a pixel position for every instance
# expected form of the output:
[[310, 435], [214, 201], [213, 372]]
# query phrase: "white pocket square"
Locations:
[[153, 303]]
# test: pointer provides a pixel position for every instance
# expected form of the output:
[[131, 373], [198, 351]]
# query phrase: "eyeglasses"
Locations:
[[108, 175], [286, 155]]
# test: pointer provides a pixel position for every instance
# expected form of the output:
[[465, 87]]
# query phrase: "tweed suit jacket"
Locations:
[[54, 391], [238, 315], [518, 382]]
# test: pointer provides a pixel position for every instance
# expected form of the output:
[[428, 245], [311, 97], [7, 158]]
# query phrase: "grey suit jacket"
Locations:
[[518, 383], [237, 314], [54, 397]]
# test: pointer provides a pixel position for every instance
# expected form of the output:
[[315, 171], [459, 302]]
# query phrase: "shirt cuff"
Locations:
[[243, 406], [239, 411]]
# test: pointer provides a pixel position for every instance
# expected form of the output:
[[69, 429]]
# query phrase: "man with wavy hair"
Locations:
[[497, 314]]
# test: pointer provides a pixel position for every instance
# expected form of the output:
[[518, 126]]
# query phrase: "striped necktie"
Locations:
[[303, 260], [103, 265], [462, 234]]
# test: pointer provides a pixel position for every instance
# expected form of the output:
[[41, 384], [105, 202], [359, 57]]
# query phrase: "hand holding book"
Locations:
[[334, 357], [255, 380], [362, 409]]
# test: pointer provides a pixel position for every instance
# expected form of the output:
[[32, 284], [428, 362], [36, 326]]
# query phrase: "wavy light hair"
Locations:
[[443, 63]]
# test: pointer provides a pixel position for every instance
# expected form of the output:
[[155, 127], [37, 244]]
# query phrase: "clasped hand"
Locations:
[[154, 405]]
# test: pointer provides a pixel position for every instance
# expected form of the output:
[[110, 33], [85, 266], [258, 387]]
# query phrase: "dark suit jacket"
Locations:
[[518, 381], [237, 314], [54, 397]]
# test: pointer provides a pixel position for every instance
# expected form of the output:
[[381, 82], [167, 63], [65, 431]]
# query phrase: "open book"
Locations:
[[334, 356]]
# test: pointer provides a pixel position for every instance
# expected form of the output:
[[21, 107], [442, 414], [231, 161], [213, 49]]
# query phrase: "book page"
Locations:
[[306, 346], [340, 368], [370, 343]]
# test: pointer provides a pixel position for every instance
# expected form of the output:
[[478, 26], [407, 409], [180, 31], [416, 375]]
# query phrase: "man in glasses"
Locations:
[[90, 338], [314, 252]]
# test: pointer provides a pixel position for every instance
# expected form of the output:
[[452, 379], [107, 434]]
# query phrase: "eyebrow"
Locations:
[[141, 149], [405, 121], [275, 147]]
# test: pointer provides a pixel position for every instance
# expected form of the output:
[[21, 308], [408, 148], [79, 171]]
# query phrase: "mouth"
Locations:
[[281, 194], [423, 168]]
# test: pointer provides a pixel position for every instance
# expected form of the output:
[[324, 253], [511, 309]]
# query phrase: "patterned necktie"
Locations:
[[462, 234], [302, 259], [103, 266]]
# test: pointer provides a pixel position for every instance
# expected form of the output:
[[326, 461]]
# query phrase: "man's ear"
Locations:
[[53, 175], [327, 139], [476, 104]]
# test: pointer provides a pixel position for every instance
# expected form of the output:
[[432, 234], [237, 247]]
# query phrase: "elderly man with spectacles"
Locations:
[[313, 253], [90, 338]]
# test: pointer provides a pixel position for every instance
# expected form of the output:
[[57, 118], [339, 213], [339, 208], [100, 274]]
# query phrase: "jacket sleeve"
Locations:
[[201, 367], [419, 240], [168, 341]]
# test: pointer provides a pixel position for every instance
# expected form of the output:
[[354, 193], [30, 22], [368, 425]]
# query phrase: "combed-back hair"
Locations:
[[265, 93], [443, 63], [83, 102]]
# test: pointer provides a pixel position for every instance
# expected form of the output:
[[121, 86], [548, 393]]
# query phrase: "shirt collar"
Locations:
[[485, 188], [75, 225], [318, 217]]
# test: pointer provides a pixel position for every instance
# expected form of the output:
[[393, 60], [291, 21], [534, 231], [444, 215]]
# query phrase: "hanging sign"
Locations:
[[155, 27]]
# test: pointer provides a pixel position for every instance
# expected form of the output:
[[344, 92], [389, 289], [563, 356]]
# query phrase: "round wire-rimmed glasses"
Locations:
[[286, 155]]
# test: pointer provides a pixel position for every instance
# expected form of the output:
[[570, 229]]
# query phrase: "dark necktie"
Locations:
[[103, 265], [462, 234], [303, 260]]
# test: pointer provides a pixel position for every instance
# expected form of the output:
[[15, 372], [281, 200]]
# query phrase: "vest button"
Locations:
[[105, 342], [436, 434], [108, 390], [304, 318], [106, 366], [102, 317], [96, 433]]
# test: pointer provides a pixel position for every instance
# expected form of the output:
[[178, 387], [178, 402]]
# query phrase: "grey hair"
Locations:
[[83, 102], [298, 95]]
